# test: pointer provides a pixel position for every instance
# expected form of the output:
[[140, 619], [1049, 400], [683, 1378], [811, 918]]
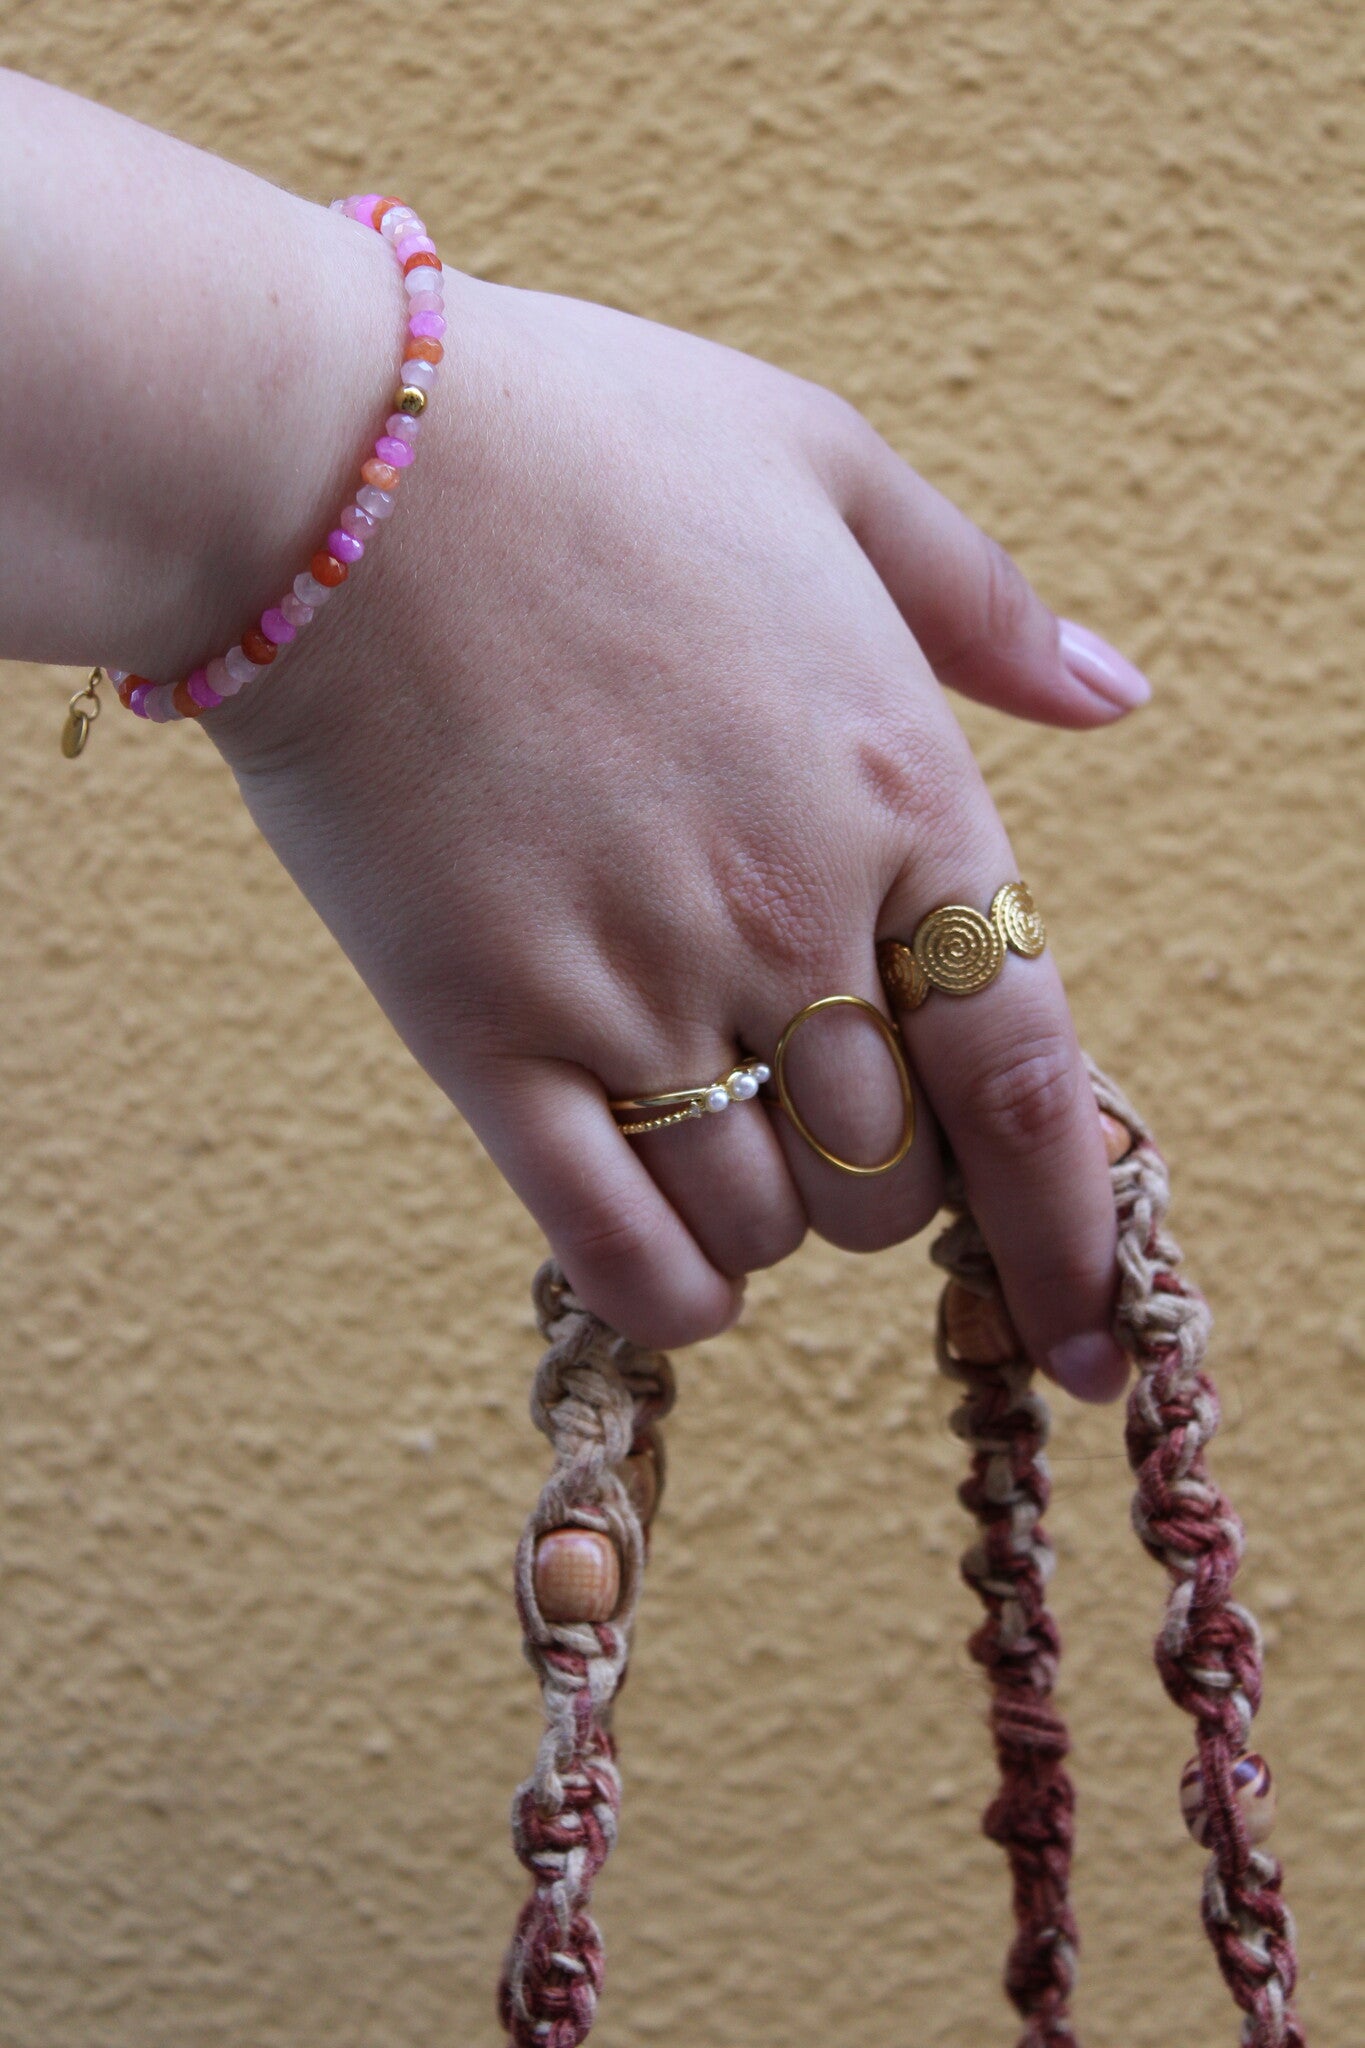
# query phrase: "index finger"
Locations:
[[1003, 1070]]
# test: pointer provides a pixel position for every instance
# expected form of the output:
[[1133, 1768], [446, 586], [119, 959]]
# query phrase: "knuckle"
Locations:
[[763, 1242], [1009, 604], [1026, 1096], [607, 1236], [777, 905]]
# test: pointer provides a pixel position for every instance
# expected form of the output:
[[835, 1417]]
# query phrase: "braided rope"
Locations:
[[1032, 1816], [598, 1400], [1209, 1650]]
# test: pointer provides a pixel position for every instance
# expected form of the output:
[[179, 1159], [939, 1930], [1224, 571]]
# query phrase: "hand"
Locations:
[[628, 742]]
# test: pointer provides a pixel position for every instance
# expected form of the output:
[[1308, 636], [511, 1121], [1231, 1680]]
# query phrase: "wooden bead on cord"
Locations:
[[1253, 1787], [577, 1576], [640, 1476], [1118, 1139], [977, 1326]]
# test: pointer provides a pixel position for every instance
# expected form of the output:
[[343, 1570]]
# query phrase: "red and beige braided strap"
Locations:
[[579, 1568]]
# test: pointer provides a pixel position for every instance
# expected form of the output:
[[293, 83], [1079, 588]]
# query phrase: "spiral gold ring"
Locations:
[[959, 951]]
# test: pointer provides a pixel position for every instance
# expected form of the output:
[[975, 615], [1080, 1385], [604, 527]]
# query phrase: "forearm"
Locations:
[[192, 358]]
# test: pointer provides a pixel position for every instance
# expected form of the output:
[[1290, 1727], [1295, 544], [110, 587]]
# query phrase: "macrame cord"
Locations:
[[600, 1401]]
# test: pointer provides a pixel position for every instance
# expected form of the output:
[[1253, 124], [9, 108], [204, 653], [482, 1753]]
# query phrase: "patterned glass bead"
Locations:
[[1253, 1788]]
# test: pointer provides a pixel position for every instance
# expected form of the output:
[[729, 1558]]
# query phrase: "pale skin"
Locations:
[[628, 738]]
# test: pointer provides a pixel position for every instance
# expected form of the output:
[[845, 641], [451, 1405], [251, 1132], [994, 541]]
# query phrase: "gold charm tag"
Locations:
[[81, 713]]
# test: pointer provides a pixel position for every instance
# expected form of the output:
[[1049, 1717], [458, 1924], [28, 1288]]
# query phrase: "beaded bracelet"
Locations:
[[580, 1565], [381, 473]]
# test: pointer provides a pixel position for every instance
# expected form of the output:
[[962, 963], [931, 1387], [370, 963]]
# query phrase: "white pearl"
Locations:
[[762, 1074], [717, 1099], [744, 1087]]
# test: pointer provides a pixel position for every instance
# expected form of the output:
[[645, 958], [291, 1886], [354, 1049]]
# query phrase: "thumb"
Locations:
[[983, 628]]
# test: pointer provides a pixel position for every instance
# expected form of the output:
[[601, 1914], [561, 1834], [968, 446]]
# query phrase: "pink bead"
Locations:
[[362, 208], [427, 301], [309, 590], [296, 611], [276, 627], [415, 371], [428, 326], [239, 665], [202, 690], [344, 546], [413, 245], [390, 449], [357, 523], [137, 699], [220, 680], [377, 503], [400, 220], [160, 709], [399, 427]]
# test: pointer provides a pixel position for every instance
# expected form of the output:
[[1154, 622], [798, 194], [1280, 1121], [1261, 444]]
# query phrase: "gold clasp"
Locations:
[[81, 713]]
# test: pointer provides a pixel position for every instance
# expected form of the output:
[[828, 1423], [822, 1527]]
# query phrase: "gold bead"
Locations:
[[904, 980], [977, 1326], [1253, 1788], [411, 399], [577, 1575], [1118, 1139]]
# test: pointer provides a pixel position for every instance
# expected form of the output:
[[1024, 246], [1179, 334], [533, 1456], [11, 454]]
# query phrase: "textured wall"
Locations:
[[1095, 267]]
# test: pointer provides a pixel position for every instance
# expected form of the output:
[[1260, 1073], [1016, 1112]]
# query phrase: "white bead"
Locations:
[[426, 278], [220, 680], [762, 1074], [309, 591], [239, 665], [295, 610], [396, 223], [371, 499], [117, 675], [717, 1099], [744, 1087], [423, 375]]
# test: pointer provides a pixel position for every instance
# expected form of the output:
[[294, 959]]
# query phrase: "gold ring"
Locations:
[[959, 951], [888, 1032], [678, 1105]]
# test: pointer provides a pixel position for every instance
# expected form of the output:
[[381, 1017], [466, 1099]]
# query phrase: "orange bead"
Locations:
[[424, 259], [257, 648], [977, 1326], [380, 209], [131, 683], [424, 350], [325, 568], [1118, 1139], [382, 475], [577, 1576], [184, 703]]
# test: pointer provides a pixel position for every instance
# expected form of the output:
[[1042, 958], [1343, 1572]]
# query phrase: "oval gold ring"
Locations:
[[893, 1044]]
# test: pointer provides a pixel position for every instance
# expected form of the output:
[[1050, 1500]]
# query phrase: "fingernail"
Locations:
[[1101, 668], [1092, 1366]]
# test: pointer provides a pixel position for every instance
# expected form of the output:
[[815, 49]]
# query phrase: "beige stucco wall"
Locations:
[[1095, 267]]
